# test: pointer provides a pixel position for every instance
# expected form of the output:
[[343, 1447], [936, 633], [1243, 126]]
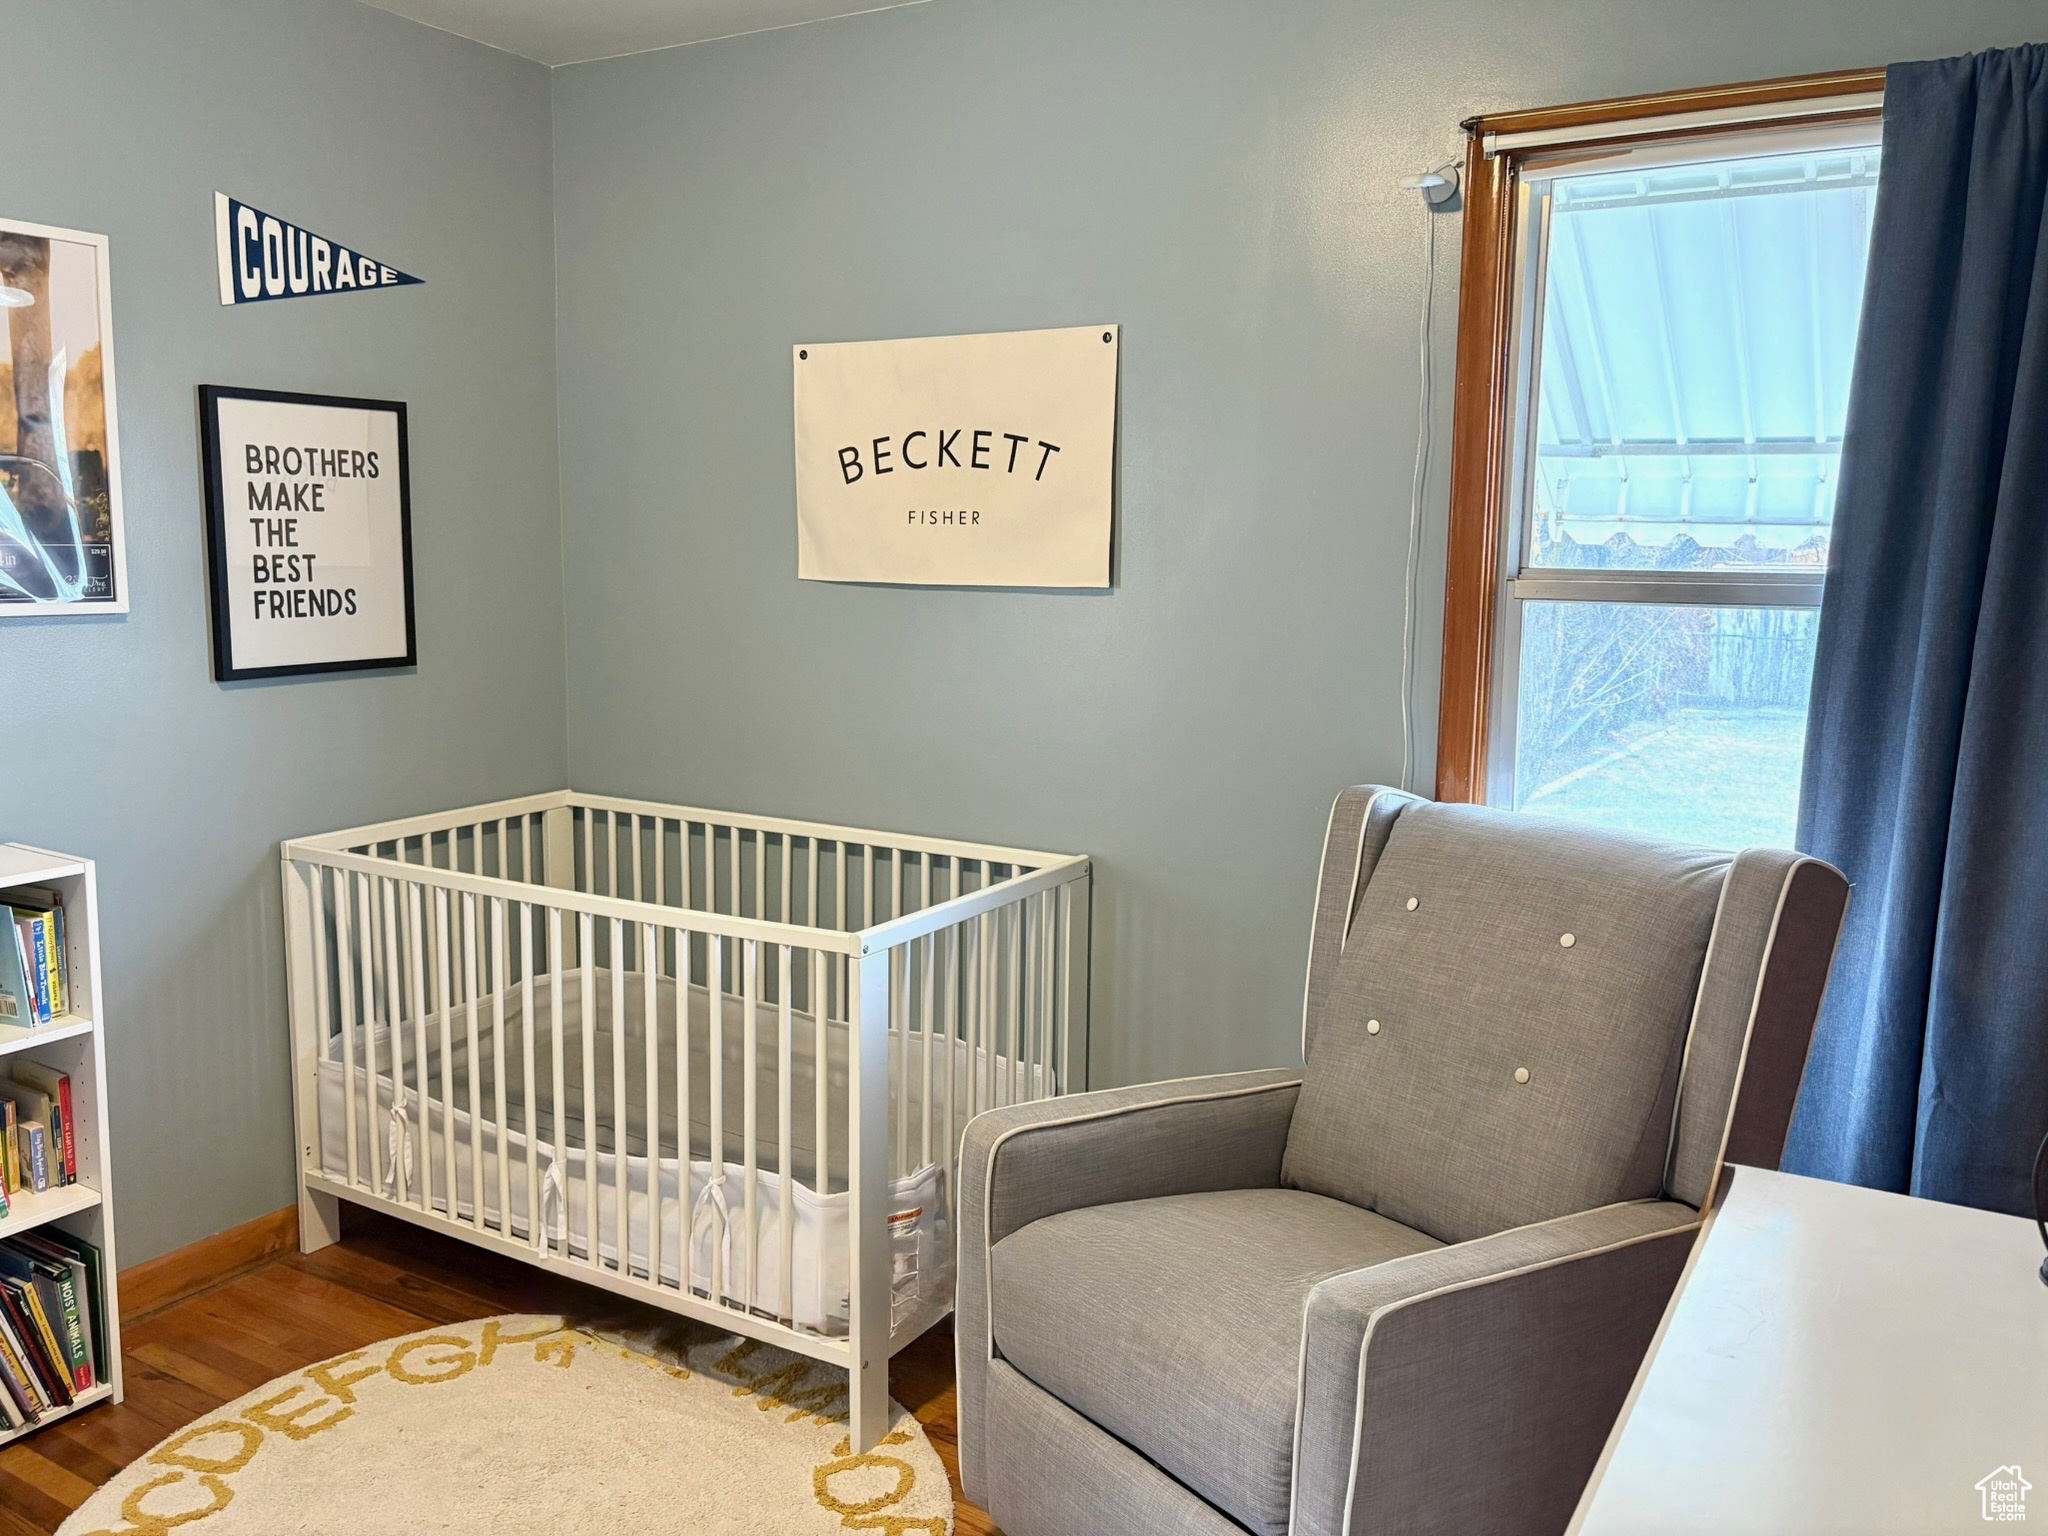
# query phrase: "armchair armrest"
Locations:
[[1028, 1161], [1469, 1389]]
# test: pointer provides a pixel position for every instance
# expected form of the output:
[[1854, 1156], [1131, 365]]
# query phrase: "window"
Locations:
[[1644, 471]]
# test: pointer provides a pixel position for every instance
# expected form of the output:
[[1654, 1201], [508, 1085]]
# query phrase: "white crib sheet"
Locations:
[[417, 1103]]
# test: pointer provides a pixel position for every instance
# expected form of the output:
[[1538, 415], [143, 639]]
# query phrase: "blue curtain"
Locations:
[[1926, 775]]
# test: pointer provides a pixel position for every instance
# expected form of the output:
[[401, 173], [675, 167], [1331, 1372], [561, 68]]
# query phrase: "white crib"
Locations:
[[714, 1062]]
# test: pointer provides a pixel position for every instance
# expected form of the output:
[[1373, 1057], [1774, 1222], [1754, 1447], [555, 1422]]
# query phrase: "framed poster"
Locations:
[[958, 461], [61, 549], [308, 532]]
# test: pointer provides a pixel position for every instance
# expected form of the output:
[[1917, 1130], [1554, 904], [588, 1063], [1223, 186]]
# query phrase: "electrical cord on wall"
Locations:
[[1437, 187]]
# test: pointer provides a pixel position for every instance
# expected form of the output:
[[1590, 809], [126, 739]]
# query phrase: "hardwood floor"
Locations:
[[288, 1311]]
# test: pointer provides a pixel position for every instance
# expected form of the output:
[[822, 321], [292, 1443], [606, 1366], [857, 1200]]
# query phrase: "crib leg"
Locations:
[[319, 1220], [868, 1233], [867, 1402]]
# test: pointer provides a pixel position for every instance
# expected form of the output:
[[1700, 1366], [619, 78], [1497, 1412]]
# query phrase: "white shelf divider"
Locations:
[[74, 1044]]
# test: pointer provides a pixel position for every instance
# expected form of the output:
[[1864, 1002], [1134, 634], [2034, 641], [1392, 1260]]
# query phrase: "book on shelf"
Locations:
[[32, 1108], [10, 1146], [17, 1379], [35, 1154], [37, 918], [88, 1280], [53, 1321], [56, 1087], [63, 1310], [17, 997], [25, 1309]]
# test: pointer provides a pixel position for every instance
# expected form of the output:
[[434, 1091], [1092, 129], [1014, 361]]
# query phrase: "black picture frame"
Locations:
[[222, 616]]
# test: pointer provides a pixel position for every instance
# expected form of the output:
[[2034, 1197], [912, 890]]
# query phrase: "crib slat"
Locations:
[[1027, 1029], [714, 986], [558, 981], [1069, 980], [344, 957], [785, 1164], [445, 1001], [470, 990], [685, 1178], [821, 1076], [317, 907], [991, 979], [366, 950], [886, 904], [503, 1122], [953, 1033], [930, 946], [622, 1225], [527, 1077], [387, 923], [752, 960], [840, 920], [415, 971], [650, 1030], [1018, 996], [586, 1115]]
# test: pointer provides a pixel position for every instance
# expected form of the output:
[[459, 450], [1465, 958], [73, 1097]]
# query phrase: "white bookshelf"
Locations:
[[74, 1043]]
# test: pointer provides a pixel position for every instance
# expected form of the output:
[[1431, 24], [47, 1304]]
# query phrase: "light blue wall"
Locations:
[[1218, 176], [124, 117]]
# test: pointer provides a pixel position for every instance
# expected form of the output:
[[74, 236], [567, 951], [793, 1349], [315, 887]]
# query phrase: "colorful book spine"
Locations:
[[87, 1266], [70, 1138], [15, 1377], [39, 962], [35, 1153], [10, 1144], [78, 1356], [56, 1087], [24, 969], [60, 978], [34, 1325]]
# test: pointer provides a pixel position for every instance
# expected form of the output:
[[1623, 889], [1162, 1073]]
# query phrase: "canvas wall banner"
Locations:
[[263, 257], [964, 461]]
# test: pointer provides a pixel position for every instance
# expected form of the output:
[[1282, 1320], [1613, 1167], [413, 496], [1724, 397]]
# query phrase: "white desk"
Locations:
[[1835, 1360]]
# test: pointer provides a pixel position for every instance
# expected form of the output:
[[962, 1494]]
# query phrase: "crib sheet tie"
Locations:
[[713, 1193], [553, 1199], [398, 1149]]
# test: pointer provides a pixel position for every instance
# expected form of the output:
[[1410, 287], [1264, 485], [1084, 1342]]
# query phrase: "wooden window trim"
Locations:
[[1482, 392]]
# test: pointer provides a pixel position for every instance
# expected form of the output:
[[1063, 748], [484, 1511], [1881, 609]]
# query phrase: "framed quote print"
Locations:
[[60, 446], [308, 533]]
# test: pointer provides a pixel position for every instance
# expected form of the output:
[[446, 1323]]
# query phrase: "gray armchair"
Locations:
[[1405, 1288]]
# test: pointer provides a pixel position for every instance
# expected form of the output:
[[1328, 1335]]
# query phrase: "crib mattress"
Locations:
[[430, 1108]]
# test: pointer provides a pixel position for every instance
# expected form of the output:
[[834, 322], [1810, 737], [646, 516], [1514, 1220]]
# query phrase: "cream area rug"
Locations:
[[531, 1425]]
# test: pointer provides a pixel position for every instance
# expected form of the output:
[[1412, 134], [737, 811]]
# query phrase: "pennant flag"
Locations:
[[265, 257]]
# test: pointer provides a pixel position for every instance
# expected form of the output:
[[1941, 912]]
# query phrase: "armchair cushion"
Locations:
[[1176, 1325], [1499, 1049], [1025, 1162]]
